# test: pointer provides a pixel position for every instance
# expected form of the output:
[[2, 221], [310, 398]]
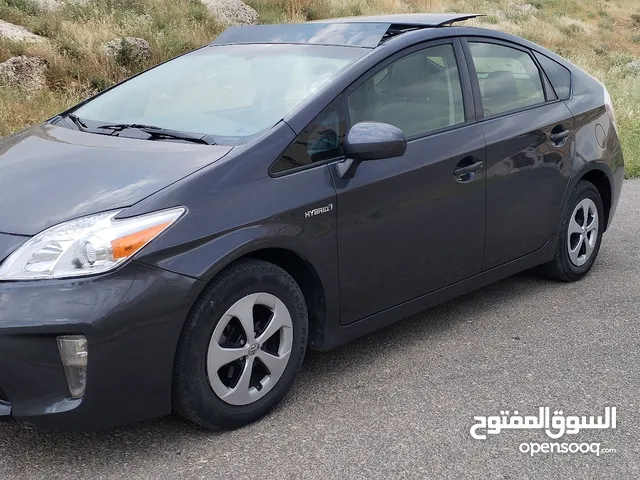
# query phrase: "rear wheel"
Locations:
[[241, 346], [580, 235]]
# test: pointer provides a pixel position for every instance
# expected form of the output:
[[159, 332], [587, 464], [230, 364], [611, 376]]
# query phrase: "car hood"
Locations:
[[49, 174]]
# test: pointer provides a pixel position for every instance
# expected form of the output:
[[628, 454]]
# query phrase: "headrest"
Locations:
[[501, 83]]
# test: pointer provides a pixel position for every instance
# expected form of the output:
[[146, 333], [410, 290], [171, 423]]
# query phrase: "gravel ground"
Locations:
[[399, 403]]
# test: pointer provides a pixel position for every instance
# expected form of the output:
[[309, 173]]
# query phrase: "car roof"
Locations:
[[366, 32]]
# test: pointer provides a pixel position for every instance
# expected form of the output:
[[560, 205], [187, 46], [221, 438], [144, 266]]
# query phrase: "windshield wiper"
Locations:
[[161, 133], [79, 123]]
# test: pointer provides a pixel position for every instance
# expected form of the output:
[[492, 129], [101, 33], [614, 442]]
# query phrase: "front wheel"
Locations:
[[241, 347], [580, 235]]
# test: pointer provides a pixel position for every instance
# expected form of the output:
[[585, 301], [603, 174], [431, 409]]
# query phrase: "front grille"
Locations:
[[3, 397]]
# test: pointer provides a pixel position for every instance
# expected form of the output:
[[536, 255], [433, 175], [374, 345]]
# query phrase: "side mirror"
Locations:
[[374, 141], [371, 141]]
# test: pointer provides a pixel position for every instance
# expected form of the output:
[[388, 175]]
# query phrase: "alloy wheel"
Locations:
[[583, 232], [249, 349]]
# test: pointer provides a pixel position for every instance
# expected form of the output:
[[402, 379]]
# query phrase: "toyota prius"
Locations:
[[178, 242]]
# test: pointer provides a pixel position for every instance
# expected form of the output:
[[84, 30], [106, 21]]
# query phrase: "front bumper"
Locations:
[[131, 318]]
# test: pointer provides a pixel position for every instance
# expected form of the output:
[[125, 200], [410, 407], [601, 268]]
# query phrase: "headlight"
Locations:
[[85, 246]]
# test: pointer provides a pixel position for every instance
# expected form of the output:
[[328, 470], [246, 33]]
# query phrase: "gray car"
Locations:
[[179, 241]]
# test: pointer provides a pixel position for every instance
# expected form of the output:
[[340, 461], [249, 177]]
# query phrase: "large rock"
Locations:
[[18, 33], [634, 65], [127, 50], [232, 12], [23, 72], [48, 4], [525, 8]]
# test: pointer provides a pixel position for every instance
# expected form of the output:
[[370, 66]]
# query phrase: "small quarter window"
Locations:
[[321, 140], [559, 76]]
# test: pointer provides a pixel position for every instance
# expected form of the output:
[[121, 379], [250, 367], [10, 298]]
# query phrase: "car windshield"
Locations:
[[230, 92]]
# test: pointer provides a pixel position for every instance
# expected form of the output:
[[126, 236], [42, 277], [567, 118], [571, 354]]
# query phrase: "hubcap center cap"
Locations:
[[253, 349]]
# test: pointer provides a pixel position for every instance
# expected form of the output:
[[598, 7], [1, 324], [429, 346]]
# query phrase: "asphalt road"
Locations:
[[399, 403]]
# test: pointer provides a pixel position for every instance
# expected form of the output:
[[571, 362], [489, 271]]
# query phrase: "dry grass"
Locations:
[[74, 34], [601, 36]]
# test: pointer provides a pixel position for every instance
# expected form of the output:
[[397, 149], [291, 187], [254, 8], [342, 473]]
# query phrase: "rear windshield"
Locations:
[[230, 92]]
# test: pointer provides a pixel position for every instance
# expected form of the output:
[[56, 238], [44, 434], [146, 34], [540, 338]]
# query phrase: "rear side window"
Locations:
[[559, 76], [509, 78], [321, 140]]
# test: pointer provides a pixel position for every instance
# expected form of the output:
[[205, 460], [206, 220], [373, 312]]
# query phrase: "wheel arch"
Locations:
[[308, 254], [598, 176], [300, 269], [305, 275]]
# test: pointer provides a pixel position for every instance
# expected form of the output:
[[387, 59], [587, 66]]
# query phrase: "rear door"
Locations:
[[528, 133], [412, 224]]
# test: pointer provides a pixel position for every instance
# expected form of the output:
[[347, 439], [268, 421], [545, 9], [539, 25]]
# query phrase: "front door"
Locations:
[[413, 224]]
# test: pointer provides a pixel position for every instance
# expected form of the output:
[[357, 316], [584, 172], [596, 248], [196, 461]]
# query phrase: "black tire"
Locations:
[[561, 267], [193, 396]]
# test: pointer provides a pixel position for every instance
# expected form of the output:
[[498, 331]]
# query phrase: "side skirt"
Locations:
[[335, 334]]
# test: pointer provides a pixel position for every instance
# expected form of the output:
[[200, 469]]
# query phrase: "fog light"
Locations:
[[74, 355]]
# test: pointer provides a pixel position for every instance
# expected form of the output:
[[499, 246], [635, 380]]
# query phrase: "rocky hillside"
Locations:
[[55, 52]]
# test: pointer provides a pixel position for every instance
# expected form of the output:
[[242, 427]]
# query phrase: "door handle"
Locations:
[[473, 168], [558, 137]]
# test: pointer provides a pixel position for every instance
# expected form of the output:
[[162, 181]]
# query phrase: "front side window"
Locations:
[[419, 93], [509, 79], [230, 92]]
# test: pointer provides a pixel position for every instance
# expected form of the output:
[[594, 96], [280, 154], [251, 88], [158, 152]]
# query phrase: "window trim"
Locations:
[[546, 82], [480, 116]]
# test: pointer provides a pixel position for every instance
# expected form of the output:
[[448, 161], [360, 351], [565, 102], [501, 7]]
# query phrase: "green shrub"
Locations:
[[27, 6], [48, 26], [98, 83], [10, 49], [317, 10], [571, 30]]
